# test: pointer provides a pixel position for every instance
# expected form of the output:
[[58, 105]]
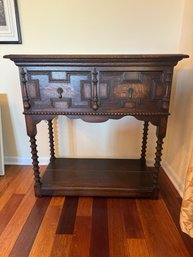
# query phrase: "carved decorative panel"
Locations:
[[59, 89], [134, 89], [96, 90]]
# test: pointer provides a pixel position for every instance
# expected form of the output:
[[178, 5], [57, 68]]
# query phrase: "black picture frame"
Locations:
[[10, 32]]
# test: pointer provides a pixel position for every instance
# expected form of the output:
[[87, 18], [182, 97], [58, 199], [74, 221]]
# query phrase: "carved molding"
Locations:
[[95, 103], [23, 79], [153, 117], [96, 113], [167, 79]]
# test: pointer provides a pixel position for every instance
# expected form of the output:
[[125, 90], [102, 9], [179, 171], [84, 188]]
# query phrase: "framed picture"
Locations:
[[9, 22]]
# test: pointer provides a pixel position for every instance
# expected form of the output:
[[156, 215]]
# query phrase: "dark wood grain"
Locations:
[[68, 216], [51, 139], [132, 221], [99, 245], [116, 228], [144, 140], [29, 231], [96, 88], [94, 59], [35, 162], [88, 177]]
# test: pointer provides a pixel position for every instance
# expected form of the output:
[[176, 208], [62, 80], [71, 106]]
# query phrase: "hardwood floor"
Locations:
[[86, 226]]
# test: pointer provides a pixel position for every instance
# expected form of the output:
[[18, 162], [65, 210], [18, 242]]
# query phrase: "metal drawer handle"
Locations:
[[60, 91], [130, 92]]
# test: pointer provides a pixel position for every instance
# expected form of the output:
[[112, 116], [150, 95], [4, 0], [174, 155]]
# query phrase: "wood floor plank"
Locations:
[[28, 233], [84, 207], [9, 188], [45, 237], [22, 180], [61, 246], [99, 227], [137, 248], [11, 172], [132, 221], [81, 239], [68, 216], [117, 233], [27, 181], [160, 232], [9, 209], [99, 245], [15, 225], [57, 201]]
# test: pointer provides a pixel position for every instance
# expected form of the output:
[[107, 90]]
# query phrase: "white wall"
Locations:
[[87, 26], [180, 129]]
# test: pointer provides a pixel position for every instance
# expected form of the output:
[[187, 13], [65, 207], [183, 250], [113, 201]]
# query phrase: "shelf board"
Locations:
[[97, 177]]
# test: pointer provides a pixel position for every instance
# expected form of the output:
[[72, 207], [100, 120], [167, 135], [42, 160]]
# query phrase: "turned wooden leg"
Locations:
[[144, 141], [35, 164], [157, 166], [51, 140]]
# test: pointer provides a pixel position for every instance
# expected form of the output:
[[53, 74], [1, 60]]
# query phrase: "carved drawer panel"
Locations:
[[135, 90], [58, 89], [95, 89]]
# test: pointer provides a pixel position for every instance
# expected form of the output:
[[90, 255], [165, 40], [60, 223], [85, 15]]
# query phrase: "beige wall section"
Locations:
[[180, 129], [103, 26]]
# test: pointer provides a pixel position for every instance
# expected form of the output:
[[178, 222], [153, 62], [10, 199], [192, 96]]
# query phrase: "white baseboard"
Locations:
[[178, 184], [150, 162], [42, 160], [24, 160]]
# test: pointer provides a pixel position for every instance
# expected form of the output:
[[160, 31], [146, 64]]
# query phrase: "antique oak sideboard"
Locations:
[[96, 88]]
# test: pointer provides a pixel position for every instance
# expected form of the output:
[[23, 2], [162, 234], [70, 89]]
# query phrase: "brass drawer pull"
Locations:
[[60, 91]]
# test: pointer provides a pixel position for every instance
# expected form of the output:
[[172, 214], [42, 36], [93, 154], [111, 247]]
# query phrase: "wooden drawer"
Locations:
[[96, 89], [135, 90], [58, 89]]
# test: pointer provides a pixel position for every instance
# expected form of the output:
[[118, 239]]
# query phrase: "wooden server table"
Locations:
[[96, 88]]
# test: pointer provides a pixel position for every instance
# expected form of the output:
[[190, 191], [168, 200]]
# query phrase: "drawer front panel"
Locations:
[[135, 90], [53, 89], [95, 89]]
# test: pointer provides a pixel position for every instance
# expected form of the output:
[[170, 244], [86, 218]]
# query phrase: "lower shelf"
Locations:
[[97, 177]]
